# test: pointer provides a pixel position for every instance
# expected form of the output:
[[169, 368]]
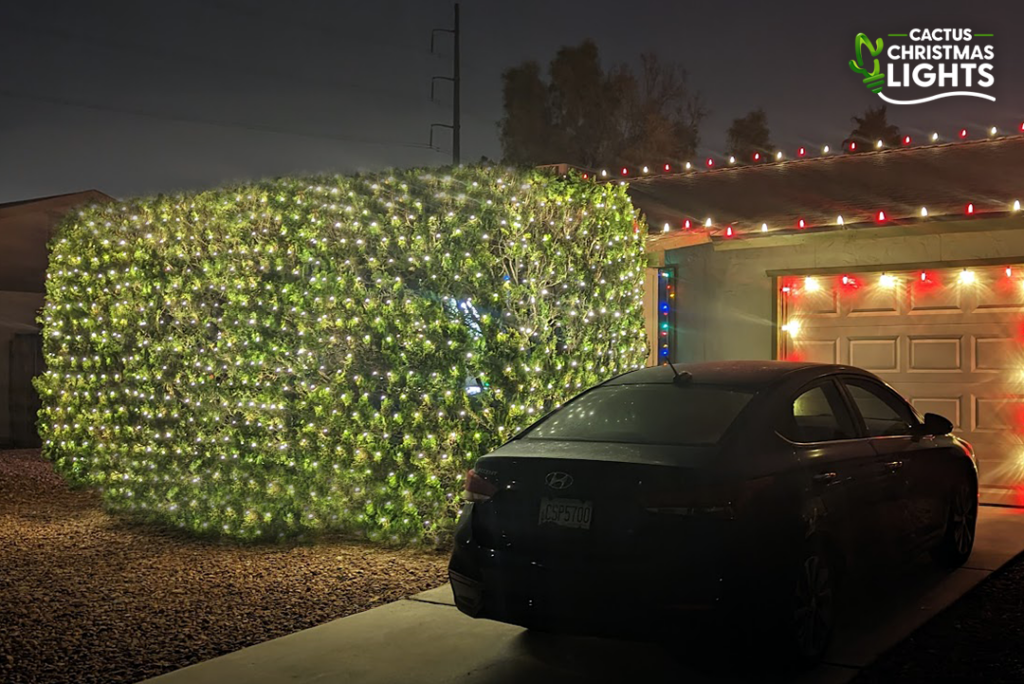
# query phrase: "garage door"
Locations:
[[950, 340]]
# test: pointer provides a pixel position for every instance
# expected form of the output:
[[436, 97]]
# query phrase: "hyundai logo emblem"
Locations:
[[558, 480]]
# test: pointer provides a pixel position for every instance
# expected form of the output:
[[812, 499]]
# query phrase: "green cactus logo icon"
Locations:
[[874, 80]]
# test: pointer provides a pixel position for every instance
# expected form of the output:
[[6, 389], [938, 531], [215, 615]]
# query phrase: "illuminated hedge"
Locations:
[[328, 353]]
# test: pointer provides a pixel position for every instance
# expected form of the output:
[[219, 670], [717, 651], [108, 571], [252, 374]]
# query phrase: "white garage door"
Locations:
[[950, 340]]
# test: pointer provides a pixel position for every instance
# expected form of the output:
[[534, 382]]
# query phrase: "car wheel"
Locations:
[[813, 607], [958, 541]]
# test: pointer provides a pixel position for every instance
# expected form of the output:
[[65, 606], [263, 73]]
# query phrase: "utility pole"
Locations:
[[456, 81]]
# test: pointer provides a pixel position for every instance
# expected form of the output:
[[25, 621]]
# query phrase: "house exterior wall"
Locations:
[[18, 312], [726, 294]]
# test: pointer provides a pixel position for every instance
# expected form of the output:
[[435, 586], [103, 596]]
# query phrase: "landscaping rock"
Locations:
[[87, 597]]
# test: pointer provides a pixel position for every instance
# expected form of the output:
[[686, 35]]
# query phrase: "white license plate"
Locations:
[[566, 513]]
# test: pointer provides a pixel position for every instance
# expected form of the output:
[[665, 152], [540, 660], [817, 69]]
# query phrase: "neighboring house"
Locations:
[[907, 262], [25, 229]]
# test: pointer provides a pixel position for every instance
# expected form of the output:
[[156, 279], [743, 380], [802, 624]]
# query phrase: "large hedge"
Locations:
[[332, 352]]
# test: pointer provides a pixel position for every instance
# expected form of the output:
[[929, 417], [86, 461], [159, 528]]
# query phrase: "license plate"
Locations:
[[566, 513]]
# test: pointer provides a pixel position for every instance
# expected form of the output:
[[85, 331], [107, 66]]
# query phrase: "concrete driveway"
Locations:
[[425, 640]]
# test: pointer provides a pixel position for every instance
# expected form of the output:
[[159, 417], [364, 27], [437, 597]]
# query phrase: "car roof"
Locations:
[[735, 373]]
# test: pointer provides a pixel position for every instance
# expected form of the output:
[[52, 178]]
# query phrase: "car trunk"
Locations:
[[558, 502]]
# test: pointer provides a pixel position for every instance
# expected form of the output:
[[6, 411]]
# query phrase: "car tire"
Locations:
[[957, 541], [811, 615]]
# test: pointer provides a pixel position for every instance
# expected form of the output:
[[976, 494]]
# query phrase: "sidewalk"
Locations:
[[425, 640]]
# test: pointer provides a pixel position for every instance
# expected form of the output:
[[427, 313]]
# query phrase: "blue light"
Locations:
[[664, 307], [664, 352]]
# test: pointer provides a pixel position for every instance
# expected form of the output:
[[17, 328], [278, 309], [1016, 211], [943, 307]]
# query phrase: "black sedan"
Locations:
[[739, 491]]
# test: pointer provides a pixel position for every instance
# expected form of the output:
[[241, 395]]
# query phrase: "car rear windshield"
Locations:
[[645, 414]]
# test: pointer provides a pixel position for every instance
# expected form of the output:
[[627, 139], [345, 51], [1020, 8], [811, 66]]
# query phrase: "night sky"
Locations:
[[107, 95]]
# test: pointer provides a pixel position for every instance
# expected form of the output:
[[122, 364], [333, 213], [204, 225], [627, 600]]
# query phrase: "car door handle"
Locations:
[[824, 478], [894, 465]]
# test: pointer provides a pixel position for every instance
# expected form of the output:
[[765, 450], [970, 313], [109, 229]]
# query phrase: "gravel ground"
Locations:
[[88, 597], [980, 638]]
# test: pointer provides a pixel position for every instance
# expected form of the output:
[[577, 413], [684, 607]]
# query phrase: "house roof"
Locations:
[[25, 229], [987, 174], [68, 198]]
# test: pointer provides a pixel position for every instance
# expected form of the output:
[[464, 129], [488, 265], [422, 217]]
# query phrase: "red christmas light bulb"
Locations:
[[963, 133], [710, 162], [970, 208], [906, 140], [801, 152], [728, 231], [881, 217], [668, 167], [625, 171]]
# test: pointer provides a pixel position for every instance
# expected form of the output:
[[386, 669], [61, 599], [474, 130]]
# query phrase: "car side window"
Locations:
[[884, 413], [818, 414]]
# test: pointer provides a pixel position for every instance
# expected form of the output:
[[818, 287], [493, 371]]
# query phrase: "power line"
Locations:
[[260, 128], [233, 8], [204, 61]]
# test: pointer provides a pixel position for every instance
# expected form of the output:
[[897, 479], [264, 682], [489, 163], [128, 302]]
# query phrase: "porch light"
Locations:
[[887, 281], [811, 284], [793, 328], [967, 277]]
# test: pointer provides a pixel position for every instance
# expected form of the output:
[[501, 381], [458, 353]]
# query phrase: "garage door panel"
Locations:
[[947, 407], [821, 351], [876, 354], [935, 354], [995, 354], [953, 344], [874, 301], [1004, 295], [997, 414], [935, 298]]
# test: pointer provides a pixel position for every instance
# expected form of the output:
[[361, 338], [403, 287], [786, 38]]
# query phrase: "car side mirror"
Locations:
[[935, 425]]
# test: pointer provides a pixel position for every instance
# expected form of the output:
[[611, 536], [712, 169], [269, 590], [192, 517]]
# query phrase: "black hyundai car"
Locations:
[[739, 491]]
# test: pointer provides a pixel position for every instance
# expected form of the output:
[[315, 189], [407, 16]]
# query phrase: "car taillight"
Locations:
[[712, 501], [477, 488]]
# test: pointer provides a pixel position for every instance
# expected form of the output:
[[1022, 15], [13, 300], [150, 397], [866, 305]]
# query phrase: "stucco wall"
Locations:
[[726, 299]]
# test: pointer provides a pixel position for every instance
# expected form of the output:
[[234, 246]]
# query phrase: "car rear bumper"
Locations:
[[622, 596]]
